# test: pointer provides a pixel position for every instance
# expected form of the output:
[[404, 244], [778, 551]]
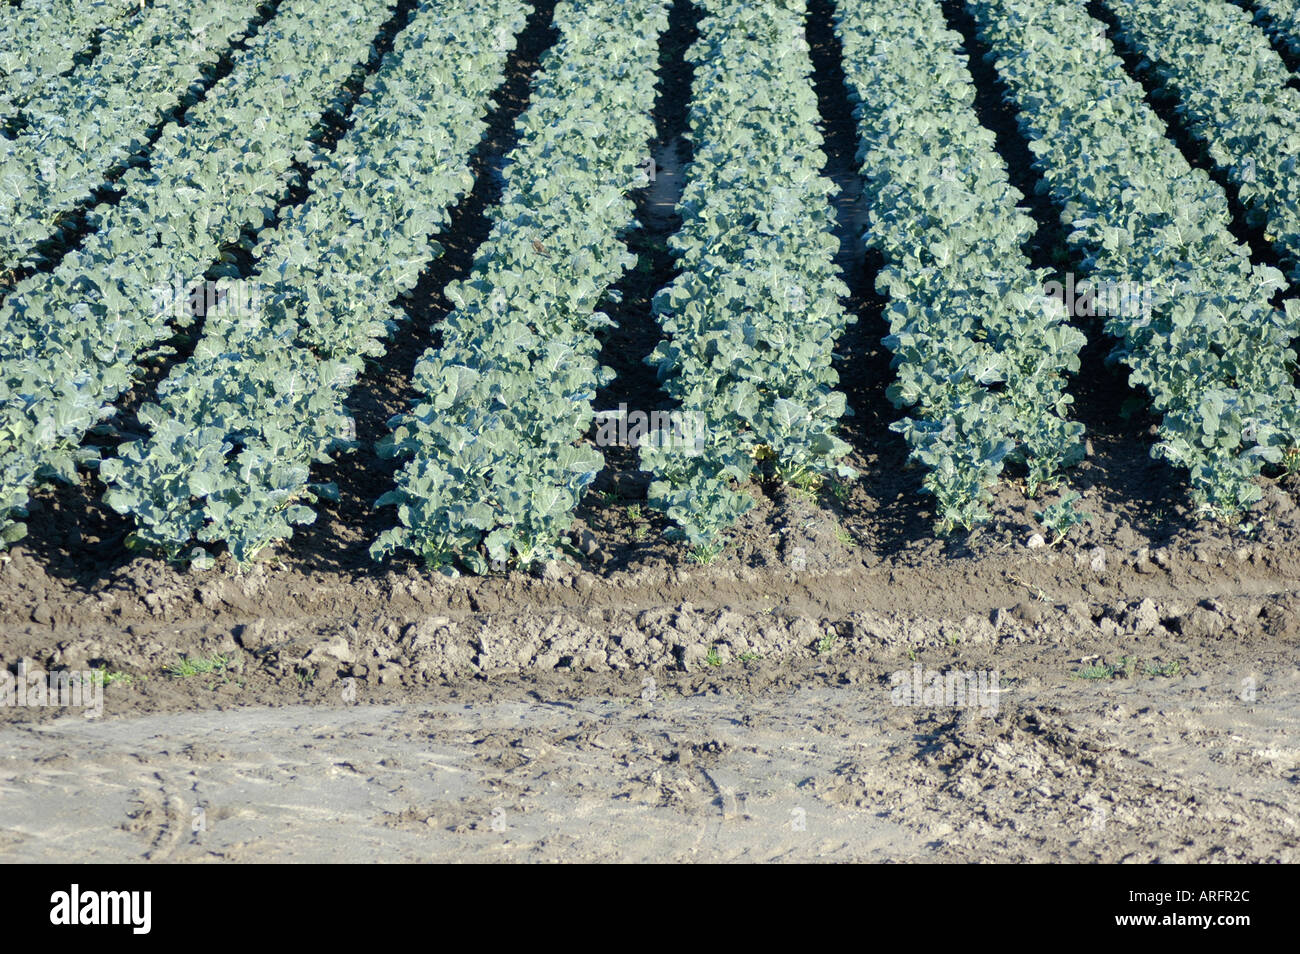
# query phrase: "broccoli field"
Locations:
[[666, 360]]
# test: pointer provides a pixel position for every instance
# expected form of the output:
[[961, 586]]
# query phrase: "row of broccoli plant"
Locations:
[[42, 40], [980, 350], [238, 425], [1281, 19], [72, 339], [84, 124], [1233, 94], [752, 319], [493, 466], [1212, 352]]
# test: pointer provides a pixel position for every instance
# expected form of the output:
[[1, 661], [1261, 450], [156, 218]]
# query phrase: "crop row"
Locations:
[[42, 39], [492, 461], [980, 350], [1282, 19], [71, 339], [1213, 353], [85, 123], [751, 323], [1232, 91], [239, 425], [493, 455]]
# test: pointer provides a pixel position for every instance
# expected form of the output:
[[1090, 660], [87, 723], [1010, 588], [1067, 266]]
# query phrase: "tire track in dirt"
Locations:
[[159, 819], [1140, 771]]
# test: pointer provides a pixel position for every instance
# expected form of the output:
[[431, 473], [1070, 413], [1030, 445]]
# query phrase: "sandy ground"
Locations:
[[1141, 769]]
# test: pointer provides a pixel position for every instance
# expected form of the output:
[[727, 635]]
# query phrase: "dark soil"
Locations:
[[626, 347]]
